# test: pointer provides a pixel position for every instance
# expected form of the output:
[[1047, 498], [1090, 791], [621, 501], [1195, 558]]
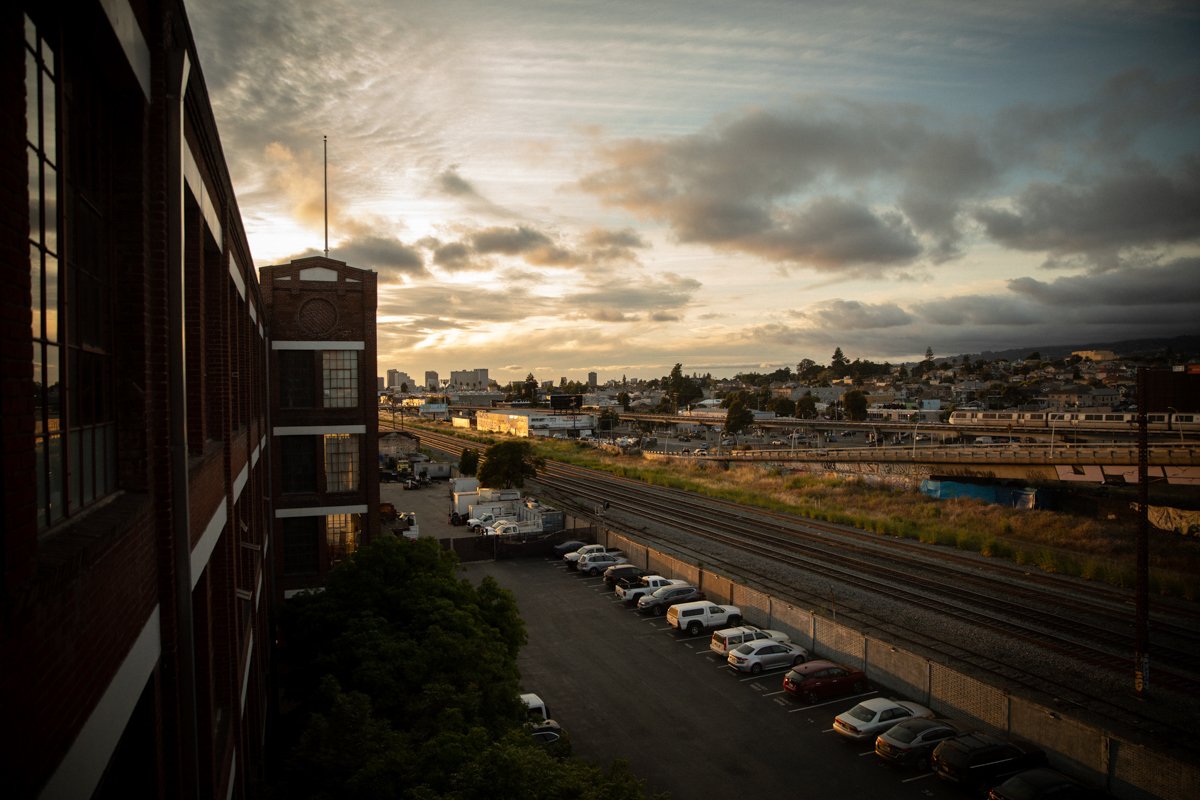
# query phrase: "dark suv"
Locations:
[[667, 596], [979, 761]]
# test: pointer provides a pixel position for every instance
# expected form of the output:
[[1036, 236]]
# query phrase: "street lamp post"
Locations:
[[916, 424]]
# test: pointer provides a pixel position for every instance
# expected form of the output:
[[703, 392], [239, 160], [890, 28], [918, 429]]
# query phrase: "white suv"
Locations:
[[725, 640]]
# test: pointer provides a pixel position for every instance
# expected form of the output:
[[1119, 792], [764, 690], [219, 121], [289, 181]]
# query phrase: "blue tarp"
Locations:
[[1012, 496]]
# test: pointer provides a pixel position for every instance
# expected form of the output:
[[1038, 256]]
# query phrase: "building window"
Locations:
[[339, 374], [301, 554], [341, 462], [297, 379], [74, 427], [298, 464], [341, 535]]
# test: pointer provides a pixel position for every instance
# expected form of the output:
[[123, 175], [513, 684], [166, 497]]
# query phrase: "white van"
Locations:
[[536, 707]]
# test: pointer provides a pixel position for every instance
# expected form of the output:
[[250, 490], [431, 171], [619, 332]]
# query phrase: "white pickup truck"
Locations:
[[695, 617], [629, 594], [483, 521], [506, 527]]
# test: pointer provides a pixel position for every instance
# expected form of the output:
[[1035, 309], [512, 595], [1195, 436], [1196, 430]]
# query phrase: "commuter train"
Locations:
[[1065, 420]]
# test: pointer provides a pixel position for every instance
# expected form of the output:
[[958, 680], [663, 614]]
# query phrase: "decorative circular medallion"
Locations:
[[317, 316]]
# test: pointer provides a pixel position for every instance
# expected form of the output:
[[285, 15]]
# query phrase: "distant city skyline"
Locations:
[[560, 189]]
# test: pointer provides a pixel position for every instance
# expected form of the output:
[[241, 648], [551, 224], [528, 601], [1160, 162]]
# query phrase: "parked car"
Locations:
[[664, 597], [754, 657], [572, 559], [776, 443], [620, 572], [910, 742], [595, 563], [728, 638], [979, 760], [630, 592], [1043, 783], [821, 680], [550, 735], [570, 546], [695, 617], [872, 717]]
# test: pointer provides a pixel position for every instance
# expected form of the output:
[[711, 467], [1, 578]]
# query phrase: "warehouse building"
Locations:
[[134, 474]]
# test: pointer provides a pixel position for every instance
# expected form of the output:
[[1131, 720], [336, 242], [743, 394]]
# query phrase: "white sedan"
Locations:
[[754, 657], [872, 717]]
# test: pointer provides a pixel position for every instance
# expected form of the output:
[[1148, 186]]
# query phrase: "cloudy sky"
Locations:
[[565, 186]]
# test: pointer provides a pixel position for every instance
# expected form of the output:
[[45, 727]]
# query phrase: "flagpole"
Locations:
[[325, 159]]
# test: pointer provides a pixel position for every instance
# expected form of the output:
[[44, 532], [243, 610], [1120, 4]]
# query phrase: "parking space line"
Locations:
[[918, 777]]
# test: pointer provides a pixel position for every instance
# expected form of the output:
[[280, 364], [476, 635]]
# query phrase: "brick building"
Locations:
[[135, 628], [324, 412]]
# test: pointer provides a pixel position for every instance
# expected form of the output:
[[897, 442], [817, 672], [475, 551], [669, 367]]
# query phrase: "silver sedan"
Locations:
[[754, 657], [872, 717]]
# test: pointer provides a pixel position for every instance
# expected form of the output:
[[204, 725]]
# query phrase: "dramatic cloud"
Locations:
[[759, 184], [851, 314], [832, 234], [1138, 207]]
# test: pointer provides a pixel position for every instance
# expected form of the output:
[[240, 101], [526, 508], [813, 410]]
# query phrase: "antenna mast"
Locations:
[[325, 158]]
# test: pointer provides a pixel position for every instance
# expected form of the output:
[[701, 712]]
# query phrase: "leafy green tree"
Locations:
[[681, 389], [623, 400], [738, 418], [375, 722], [782, 406], [806, 406], [468, 462], [529, 389], [839, 360], [855, 404], [506, 465], [607, 419]]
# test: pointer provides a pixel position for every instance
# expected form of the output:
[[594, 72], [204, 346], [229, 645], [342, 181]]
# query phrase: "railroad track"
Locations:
[[1088, 624]]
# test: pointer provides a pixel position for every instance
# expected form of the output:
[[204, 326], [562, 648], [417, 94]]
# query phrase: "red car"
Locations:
[[819, 680]]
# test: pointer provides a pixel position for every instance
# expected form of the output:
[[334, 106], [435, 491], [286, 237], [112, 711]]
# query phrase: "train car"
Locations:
[[1093, 420]]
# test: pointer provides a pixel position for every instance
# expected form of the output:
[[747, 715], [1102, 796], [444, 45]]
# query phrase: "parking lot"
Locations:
[[629, 687]]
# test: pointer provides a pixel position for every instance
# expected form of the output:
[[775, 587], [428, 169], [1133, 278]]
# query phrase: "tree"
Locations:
[[738, 418], [623, 400], [806, 406], [373, 721], [529, 389], [782, 406], [681, 389], [468, 463], [839, 360], [506, 465], [929, 355], [855, 404]]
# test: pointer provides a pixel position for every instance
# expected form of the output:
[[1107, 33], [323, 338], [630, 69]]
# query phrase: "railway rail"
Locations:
[[1089, 625]]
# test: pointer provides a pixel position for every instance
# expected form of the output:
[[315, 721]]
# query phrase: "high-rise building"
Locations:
[[324, 415], [431, 381], [592, 380], [134, 503], [475, 380]]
